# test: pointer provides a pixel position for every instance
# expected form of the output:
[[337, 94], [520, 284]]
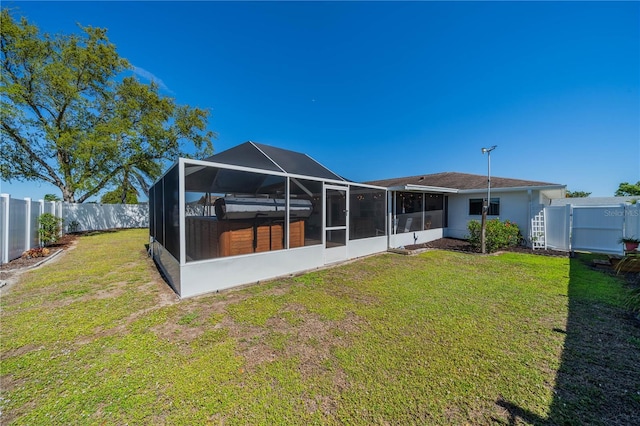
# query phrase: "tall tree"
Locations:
[[577, 194], [120, 195], [626, 188], [71, 118]]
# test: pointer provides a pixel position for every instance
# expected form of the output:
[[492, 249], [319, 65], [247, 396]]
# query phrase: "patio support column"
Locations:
[[181, 213], [287, 188]]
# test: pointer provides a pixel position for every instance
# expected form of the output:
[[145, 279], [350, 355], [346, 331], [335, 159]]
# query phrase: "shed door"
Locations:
[[336, 219]]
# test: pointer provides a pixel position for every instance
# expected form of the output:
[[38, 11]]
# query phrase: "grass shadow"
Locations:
[[598, 381]]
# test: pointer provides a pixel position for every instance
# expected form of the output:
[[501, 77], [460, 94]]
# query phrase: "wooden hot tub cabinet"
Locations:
[[208, 238]]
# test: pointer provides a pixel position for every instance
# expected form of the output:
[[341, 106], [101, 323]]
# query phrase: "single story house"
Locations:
[[255, 212], [428, 207]]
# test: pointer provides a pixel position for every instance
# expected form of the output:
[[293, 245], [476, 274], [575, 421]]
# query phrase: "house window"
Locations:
[[475, 207]]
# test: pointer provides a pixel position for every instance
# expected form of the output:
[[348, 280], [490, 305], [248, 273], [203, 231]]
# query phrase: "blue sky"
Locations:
[[376, 90]]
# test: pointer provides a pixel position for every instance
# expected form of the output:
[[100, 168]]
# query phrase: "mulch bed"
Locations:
[[62, 244], [455, 244]]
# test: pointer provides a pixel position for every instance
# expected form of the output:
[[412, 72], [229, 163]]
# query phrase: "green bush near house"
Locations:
[[499, 234]]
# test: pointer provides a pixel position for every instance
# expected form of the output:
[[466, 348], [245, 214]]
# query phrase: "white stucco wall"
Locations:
[[418, 237], [206, 276], [168, 264], [226, 272], [514, 206], [366, 246]]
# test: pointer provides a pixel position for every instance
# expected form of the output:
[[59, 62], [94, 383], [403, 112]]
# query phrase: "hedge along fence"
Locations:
[[19, 221]]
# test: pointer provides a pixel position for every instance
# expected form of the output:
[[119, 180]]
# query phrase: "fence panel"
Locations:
[[92, 217], [557, 223], [598, 229], [50, 207], [34, 237], [17, 228], [632, 221]]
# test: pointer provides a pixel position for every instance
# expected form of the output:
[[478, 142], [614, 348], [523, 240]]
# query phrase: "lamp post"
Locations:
[[487, 204]]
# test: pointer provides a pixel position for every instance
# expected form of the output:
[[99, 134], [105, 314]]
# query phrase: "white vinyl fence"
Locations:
[[19, 221], [557, 225], [596, 229], [91, 217]]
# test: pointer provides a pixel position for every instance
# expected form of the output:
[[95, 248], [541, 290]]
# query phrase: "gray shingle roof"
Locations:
[[460, 181], [265, 157]]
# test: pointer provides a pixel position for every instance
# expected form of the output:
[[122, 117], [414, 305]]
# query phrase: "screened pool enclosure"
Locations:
[[256, 212]]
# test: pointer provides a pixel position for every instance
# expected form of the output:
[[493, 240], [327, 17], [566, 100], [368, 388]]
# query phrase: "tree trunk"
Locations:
[[67, 196]]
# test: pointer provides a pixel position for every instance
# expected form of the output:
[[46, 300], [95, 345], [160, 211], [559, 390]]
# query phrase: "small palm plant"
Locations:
[[631, 264]]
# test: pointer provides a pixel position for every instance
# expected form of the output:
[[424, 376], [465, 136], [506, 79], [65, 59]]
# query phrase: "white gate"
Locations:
[[596, 229], [558, 227]]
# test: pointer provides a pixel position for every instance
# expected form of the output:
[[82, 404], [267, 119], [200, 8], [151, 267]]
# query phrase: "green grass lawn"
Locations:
[[440, 338]]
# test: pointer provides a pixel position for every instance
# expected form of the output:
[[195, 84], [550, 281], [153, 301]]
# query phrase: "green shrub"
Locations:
[[632, 301], [73, 226], [499, 234], [49, 228]]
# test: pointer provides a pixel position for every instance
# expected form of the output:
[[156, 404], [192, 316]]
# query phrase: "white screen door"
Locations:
[[336, 220]]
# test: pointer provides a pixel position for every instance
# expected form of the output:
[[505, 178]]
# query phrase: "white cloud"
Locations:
[[149, 76]]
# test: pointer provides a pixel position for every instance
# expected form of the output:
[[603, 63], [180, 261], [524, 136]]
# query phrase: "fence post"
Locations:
[[544, 226], [5, 228], [27, 228], [41, 205], [58, 205], [63, 214], [569, 218]]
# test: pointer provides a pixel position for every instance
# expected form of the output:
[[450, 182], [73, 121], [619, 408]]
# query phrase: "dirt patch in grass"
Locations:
[[310, 341]]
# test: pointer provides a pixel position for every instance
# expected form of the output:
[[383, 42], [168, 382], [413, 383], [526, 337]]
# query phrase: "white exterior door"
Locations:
[[336, 220]]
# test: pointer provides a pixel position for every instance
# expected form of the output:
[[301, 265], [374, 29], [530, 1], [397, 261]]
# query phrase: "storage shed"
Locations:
[[256, 212]]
